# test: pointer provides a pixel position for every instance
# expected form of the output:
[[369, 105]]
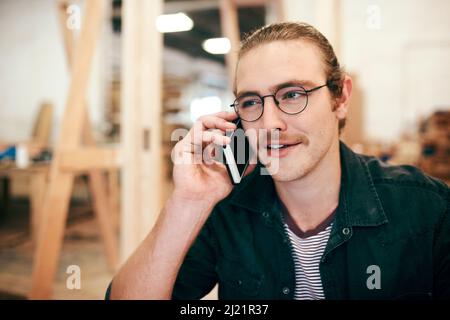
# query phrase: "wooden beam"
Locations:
[[140, 122], [38, 182], [56, 199], [105, 215]]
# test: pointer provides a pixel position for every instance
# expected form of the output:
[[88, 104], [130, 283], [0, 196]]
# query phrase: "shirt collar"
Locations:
[[362, 208]]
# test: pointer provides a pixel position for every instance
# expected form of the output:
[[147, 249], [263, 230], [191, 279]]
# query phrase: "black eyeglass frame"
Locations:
[[233, 105]]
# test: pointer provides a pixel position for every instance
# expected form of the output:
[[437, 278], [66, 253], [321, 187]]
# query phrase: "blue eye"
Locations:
[[250, 103], [292, 95]]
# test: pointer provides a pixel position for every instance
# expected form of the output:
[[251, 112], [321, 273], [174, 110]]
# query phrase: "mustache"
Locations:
[[273, 136]]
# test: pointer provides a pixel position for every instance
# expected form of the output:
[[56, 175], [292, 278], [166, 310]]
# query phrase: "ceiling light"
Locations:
[[217, 45], [176, 22]]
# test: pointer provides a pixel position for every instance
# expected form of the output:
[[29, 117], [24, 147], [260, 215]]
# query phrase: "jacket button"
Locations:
[[239, 283], [345, 231], [265, 214], [286, 290]]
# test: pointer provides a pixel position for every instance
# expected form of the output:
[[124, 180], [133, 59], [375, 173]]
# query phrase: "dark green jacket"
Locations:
[[392, 223]]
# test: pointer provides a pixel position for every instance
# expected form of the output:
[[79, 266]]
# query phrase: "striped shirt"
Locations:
[[307, 253]]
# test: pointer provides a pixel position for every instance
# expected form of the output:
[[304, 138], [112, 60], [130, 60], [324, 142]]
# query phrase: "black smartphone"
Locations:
[[237, 154]]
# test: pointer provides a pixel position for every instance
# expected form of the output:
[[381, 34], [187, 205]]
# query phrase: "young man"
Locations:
[[326, 223]]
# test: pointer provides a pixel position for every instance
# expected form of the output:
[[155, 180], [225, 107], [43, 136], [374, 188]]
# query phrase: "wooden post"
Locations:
[[230, 28], [97, 183], [57, 195], [38, 182], [140, 122]]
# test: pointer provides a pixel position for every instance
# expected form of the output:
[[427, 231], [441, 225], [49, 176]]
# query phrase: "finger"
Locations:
[[192, 147], [195, 135], [214, 122], [227, 115], [222, 132], [216, 138], [181, 155], [192, 150], [217, 121]]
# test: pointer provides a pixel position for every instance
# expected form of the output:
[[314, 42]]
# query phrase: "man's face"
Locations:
[[307, 136]]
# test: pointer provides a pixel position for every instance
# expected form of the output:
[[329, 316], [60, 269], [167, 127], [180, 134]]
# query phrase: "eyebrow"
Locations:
[[275, 88]]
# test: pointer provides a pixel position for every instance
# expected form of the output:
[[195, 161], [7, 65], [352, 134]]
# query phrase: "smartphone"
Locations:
[[237, 154]]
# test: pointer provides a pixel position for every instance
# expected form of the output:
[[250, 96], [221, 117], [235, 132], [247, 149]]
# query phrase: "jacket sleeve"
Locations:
[[441, 255], [197, 275]]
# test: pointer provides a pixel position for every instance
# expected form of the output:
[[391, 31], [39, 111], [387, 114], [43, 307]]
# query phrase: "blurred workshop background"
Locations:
[[92, 91]]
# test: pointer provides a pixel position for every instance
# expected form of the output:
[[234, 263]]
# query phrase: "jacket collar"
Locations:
[[362, 205]]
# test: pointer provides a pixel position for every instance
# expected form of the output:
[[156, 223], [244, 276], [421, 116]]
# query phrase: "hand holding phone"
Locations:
[[195, 175]]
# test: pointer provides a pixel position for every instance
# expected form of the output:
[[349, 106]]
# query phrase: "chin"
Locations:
[[283, 172], [294, 166]]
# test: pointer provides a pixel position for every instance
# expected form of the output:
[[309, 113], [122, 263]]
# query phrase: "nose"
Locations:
[[272, 117]]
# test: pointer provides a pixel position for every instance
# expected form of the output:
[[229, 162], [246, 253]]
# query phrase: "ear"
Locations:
[[342, 102]]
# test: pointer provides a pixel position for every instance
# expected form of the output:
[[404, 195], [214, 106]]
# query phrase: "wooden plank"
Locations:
[[38, 182], [230, 28], [89, 158], [141, 120], [50, 237], [56, 199], [104, 215]]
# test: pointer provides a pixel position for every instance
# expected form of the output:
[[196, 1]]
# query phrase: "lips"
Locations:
[[280, 149], [277, 146]]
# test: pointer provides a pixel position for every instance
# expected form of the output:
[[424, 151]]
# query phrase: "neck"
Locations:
[[311, 199]]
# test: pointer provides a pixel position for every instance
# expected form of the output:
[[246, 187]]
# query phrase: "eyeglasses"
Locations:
[[290, 100]]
